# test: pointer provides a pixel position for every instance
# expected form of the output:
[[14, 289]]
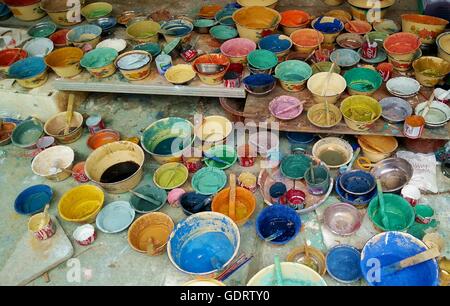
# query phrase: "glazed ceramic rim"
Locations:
[[96, 134], [216, 215], [276, 101], [176, 69], [204, 170], [436, 105], [49, 25], [348, 247], [349, 207], [37, 123], [228, 149], [183, 21], [112, 206], [402, 103], [48, 190], [94, 188], [411, 238], [341, 194], [149, 57], [216, 27], [349, 35], [92, 26], [304, 269], [338, 141], [214, 118], [64, 149], [402, 79], [165, 167], [273, 25], [178, 153], [438, 41], [353, 172], [106, 4], [355, 54], [49, 44], [149, 211]]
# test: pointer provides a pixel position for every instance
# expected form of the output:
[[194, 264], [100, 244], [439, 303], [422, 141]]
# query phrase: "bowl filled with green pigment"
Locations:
[[166, 139]]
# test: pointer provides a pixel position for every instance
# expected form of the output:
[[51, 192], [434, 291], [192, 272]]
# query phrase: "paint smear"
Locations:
[[206, 252]]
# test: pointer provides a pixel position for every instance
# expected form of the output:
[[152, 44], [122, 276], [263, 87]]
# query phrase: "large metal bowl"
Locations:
[[394, 173]]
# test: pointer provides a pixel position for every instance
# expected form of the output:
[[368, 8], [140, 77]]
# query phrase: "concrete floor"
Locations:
[[111, 261]]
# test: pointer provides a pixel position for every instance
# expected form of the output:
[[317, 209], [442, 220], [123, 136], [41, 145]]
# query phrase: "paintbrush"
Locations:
[[232, 198], [427, 107], [234, 266], [409, 262], [43, 222], [324, 92], [144, 197], [69, 113], [289, 108], [353, 26], [215, 158]]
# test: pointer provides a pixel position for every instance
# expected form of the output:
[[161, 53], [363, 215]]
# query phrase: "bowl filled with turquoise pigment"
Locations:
[[26, 134], [223, 32], [293, 75], [153, 48], [166, 139], [100, 62], [203, 244], [293, 274], [221, 157], [400, 214], [261, 61], [391, 247], [362, 81]]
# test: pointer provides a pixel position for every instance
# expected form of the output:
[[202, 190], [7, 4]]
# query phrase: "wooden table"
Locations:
[[257, 110]]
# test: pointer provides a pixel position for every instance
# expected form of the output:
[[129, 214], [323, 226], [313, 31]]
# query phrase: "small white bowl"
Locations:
[[437, 116], [116, 43]]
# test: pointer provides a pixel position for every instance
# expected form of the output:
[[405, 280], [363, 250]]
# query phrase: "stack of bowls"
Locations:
[[261, 61], [377, 148], [294, 20], [402, 49], [276, 43]]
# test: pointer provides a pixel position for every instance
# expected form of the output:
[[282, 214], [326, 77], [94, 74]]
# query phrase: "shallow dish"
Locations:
[[345, 57], [357, 201], [115, 217], [350, 41], [33, 199], [343, 263], [209, 180], [342, 219], [180, 74], [395, 110], [286, 107], [438, 115], [357, 182], [403, 87], [142, 206], [381, 57]]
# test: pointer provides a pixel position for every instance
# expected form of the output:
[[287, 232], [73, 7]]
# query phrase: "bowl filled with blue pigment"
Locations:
[[204, 243], [278, 224], [166, 139], [292, 274], [389, 248]]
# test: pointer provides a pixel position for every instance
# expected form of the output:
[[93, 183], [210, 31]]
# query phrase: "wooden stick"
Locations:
[[428, 106], [232, 198], [69, 113]]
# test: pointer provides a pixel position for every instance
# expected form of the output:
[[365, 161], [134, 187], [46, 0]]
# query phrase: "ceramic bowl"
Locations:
[[226, 153], [279, 221], [102, 137], [193, 203], [315, 260], [107, 24], [53, 163], [85, 37], [438, 115], [336, 87], [177, 28], [377, 148], [259, 83], [100, 62], [142, 206], [150, 233], [357, 201], [6, 133], [115, 217], [59, 12], [276, 43], [345, 58], [443, 43], [33, 199], [153, 48], [144, 31], [333, 144], [369, 111], [85, 234], [27, 133], [170, 176], [225, 17], [403, 87], [209, 180], [342, 219], [11, 56], [180, 74], [430, 70], [357, 182], [394, 173], [96, 10], [362, 81], [285, 107], [293, 75], [395, 110], [59, 38], [40, 47], [57, 60], [42, 29], [387, 26], [360, 27], [237, 49], [335, 258], [81, 204], [134, 65], [55, 126], [213, 129], [317, 115], [223, 32], [350, 41]]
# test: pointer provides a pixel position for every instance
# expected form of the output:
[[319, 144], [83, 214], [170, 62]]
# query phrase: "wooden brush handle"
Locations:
[[419, 258], [232, 199]]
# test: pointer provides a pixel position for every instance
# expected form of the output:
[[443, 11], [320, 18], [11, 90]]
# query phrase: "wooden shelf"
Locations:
[[257, 110]]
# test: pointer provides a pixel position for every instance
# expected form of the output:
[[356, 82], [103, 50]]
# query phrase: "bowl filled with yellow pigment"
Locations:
[[360, 112], [81, 204]]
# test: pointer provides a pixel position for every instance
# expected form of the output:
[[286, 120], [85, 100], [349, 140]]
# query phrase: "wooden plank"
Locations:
[[256, 110], [154, 84]]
